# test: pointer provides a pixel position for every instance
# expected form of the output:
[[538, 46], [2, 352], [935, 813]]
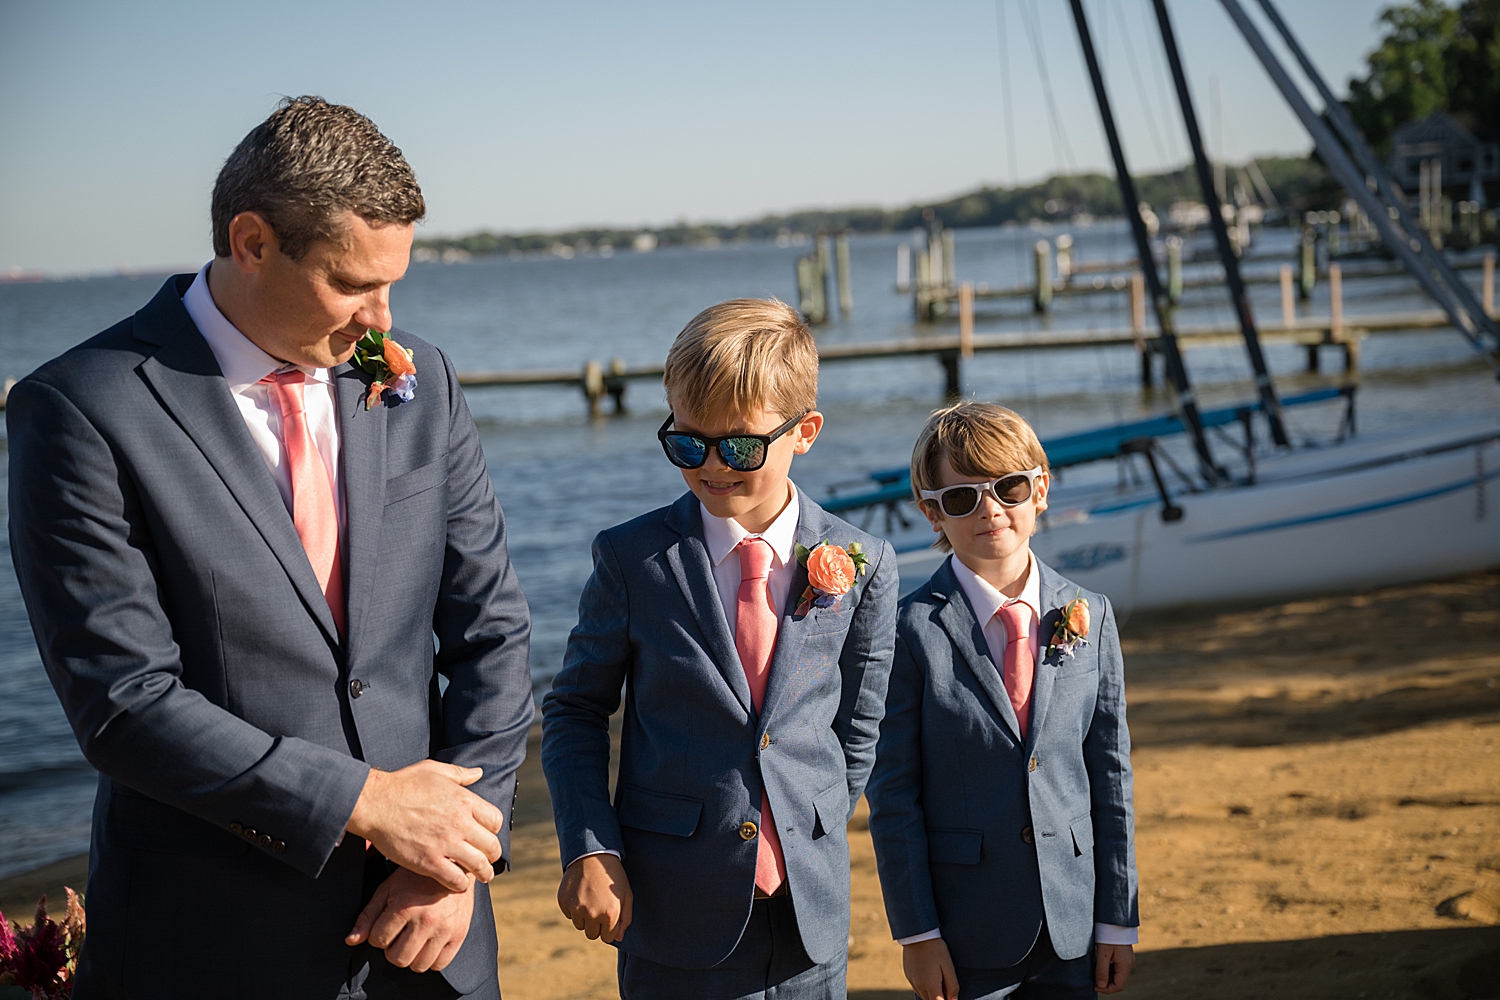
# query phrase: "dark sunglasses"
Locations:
[[741, 452], [1012, 490]]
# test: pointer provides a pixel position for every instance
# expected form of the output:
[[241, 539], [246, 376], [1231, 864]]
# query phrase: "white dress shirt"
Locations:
[[722, 536], [244, 365], [986, 600]]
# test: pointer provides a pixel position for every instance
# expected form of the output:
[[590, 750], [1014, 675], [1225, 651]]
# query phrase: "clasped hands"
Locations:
[[444, 837]]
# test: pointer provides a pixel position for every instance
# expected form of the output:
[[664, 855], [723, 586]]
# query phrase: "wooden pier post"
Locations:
[[953, 386], [935, 266], [950, 262], [1487, 285], [812, 290], [903, 268], [1308, 264], [593, 386], [922, 297], [615, 383], [1288, 308], [966, 320], [1335, 303], [825, 270], [1174, 269], [1064, 259], [1138, 324], [846, 286], [1041, 299]]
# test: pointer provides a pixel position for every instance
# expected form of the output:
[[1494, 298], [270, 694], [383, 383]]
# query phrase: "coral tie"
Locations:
[[1020, 661], [313, 509], [755, 639]]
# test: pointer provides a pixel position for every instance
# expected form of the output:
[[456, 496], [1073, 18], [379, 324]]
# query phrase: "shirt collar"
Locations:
[[722, 534], [987, 600], [241, 361]]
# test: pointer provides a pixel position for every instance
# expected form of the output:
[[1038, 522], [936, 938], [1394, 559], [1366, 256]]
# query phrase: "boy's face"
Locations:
[[751, 498], [994, 534]]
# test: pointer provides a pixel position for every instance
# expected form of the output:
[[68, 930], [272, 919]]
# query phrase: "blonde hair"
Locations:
[[743, 354], [978, 439]]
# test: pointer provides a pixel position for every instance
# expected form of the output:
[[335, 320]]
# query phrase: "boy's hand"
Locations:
[[1112, 965], [929, 969], [596, 896], [418, 923]]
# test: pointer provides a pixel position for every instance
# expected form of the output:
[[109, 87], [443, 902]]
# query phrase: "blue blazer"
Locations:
[[980, 833], [195, 656], [694, 755]]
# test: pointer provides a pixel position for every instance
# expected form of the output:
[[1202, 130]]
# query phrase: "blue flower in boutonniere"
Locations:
[[1072, 626], [832, 571], [390, 365]]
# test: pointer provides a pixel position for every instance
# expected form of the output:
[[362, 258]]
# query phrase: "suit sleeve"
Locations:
[[1106, 756], [866, 667], [483, 626], [898, 826], [575, 713], [81, 544]]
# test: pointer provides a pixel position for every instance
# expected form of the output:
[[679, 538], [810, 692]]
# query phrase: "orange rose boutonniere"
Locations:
[[832, 571], [390, 365], [1072, 626]]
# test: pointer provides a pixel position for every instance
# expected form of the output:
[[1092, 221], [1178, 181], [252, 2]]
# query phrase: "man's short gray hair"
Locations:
[[304, 167]]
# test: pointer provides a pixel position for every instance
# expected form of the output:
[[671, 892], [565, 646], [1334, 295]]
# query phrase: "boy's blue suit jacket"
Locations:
[[198, 662], [985, 835], [694, 754]]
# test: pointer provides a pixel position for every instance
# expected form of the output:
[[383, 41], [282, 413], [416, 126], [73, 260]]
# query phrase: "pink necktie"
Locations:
[[313, 509], [1020, 661], [755, 639]]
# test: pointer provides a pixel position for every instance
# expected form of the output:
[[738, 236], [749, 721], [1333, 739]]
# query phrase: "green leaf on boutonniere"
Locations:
[[801, 552]]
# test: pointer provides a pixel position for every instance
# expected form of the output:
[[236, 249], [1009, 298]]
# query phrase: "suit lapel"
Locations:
[[185, 376], [963, 628], [362, 450], [1052, 590], [812, 529], [690, 565]]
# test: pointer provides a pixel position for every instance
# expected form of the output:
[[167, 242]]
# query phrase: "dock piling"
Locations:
[[1138, 324], [846, 285], [953, 386], [1487, 285], [1288, 307], [1308, 264], [1174, 269], [903, 268], [966, 320], [593, 385], [615, 383], [1335, 303], [1064, 259], [950, 261], [1041, 299]]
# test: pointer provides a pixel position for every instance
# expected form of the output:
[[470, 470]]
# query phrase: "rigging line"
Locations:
[[1177, 153], [1007, 96], [1059, 137], [1140, 86]]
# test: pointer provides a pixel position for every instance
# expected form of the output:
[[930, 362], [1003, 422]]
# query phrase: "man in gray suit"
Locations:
[[236, 549]]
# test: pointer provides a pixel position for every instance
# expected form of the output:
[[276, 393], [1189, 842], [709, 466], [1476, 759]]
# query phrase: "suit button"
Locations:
[[1031, 766], [1028, 836], [236, 829], [765, 740], [356, 688], [277, 847], [748, 830], [249, 834], [264, 840]]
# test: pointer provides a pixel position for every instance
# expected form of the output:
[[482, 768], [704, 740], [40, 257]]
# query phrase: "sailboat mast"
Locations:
[[1176, 371], [1206, 181]]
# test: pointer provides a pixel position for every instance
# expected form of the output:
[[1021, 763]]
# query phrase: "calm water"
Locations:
[[549, 313]]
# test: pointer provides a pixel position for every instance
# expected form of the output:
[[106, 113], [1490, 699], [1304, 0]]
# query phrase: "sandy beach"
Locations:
[[1317, 803]]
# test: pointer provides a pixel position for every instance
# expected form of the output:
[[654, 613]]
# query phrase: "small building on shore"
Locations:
[[1468, 163]]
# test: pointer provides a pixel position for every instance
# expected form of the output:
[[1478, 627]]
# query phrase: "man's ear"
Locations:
[[252, 241]]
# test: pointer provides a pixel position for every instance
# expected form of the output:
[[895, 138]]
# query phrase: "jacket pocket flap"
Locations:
[[954, 847], [832, 807], [145, 824], [674, 815], [418, 480], [1083, 834]]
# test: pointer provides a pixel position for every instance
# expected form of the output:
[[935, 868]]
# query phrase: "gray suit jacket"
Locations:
[[694, 755], [979, 832], [185, 633]]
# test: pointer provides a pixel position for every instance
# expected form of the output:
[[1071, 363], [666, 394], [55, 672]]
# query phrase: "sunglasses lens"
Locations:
[[960, 501], [684, 450], [743, 454], [1013, 490]]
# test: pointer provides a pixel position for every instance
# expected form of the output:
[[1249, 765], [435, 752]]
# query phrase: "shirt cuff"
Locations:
[[1115, 934], [931, 935], [590, 854]]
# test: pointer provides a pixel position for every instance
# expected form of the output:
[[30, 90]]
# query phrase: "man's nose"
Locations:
[[375, 312]]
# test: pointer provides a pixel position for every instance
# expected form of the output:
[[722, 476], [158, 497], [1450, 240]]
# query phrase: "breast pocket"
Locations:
[[418, 480]]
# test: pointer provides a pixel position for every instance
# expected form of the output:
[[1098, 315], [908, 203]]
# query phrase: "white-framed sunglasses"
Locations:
[[1011, 490]]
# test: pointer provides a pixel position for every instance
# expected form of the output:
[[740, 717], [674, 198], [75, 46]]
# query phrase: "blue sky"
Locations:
[[115, 116]]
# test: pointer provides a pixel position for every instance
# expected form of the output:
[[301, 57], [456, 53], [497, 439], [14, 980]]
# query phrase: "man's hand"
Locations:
[[417, 923], [596, 896], [1112, 965], [929, 969], [423, 818]]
